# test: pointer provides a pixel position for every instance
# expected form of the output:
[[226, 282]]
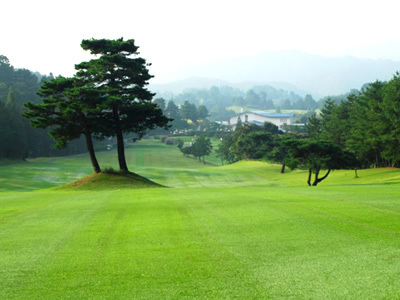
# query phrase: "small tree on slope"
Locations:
[[317, 155]]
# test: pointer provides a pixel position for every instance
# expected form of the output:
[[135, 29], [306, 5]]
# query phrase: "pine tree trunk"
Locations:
[[309, 177], [120, 141], [93, 159], [316, 178], [283, 167]]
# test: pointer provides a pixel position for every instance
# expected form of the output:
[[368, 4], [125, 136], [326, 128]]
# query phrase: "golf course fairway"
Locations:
[[240, 231]]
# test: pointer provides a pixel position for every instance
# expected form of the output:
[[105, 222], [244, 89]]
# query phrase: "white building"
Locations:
[[260, 117]]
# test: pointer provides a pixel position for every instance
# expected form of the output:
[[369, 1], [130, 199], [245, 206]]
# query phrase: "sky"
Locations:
[[45, 35]]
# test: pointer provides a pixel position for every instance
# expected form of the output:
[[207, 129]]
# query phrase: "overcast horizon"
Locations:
[[45, 36]]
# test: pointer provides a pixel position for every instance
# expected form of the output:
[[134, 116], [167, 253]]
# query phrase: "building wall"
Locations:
[[279, 121]]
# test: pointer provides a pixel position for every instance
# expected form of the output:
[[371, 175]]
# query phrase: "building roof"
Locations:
[[268, 114], [273, 115]]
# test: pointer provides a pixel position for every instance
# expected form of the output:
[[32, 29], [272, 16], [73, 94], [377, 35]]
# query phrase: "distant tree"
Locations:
[[188, 111], [269, 104], [218, 113], [186, 150], [279, 151], [3, 129], [239, 100], [224, 150], [253, 99], [263, 99], [172, 110], [25, 85], [317, 155], [309, 103], [160, 103], [299, 104], [180, 143], [314, 127], [368, 125], [201, 147], [16, 140], [389, 123], [331, 123], [202, 112], [250, 142], [6, 75], [286, 104]]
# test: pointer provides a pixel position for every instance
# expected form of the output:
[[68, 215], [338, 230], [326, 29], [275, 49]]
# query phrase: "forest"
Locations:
[[18, 140]]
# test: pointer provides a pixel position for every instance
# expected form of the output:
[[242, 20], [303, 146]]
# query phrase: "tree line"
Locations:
[[362, 130], [18, 140], [184, 116], [366, 123], [294, 150], [263, 97]]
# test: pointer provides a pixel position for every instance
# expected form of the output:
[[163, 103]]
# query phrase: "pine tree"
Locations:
[[119, 77], [391, 120], [70, 110]]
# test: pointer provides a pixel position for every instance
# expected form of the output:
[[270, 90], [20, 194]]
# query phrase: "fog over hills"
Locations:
[[290, 70]]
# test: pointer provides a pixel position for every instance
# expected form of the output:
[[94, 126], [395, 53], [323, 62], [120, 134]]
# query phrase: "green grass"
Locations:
[[240, 231]]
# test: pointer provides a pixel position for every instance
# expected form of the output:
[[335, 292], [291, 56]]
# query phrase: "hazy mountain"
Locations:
[[177, 87], [293, 70]]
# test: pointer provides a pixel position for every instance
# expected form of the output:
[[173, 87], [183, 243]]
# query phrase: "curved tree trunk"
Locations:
[[93, 159], [318, 180], [120, 141], [89, 144]]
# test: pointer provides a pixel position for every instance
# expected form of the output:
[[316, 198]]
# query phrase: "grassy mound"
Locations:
[[110, 180]]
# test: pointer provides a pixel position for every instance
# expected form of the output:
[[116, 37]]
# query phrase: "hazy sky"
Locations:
[[45, 35]]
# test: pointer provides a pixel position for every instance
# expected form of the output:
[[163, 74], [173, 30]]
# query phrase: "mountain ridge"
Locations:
[[314, 74]]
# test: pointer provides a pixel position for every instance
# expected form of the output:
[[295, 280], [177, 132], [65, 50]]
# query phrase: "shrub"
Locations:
[[170, 141], [186, 150], [180, 143], [109, 170]]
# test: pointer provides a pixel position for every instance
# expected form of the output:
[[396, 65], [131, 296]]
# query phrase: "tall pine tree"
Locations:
[[120, 76]]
